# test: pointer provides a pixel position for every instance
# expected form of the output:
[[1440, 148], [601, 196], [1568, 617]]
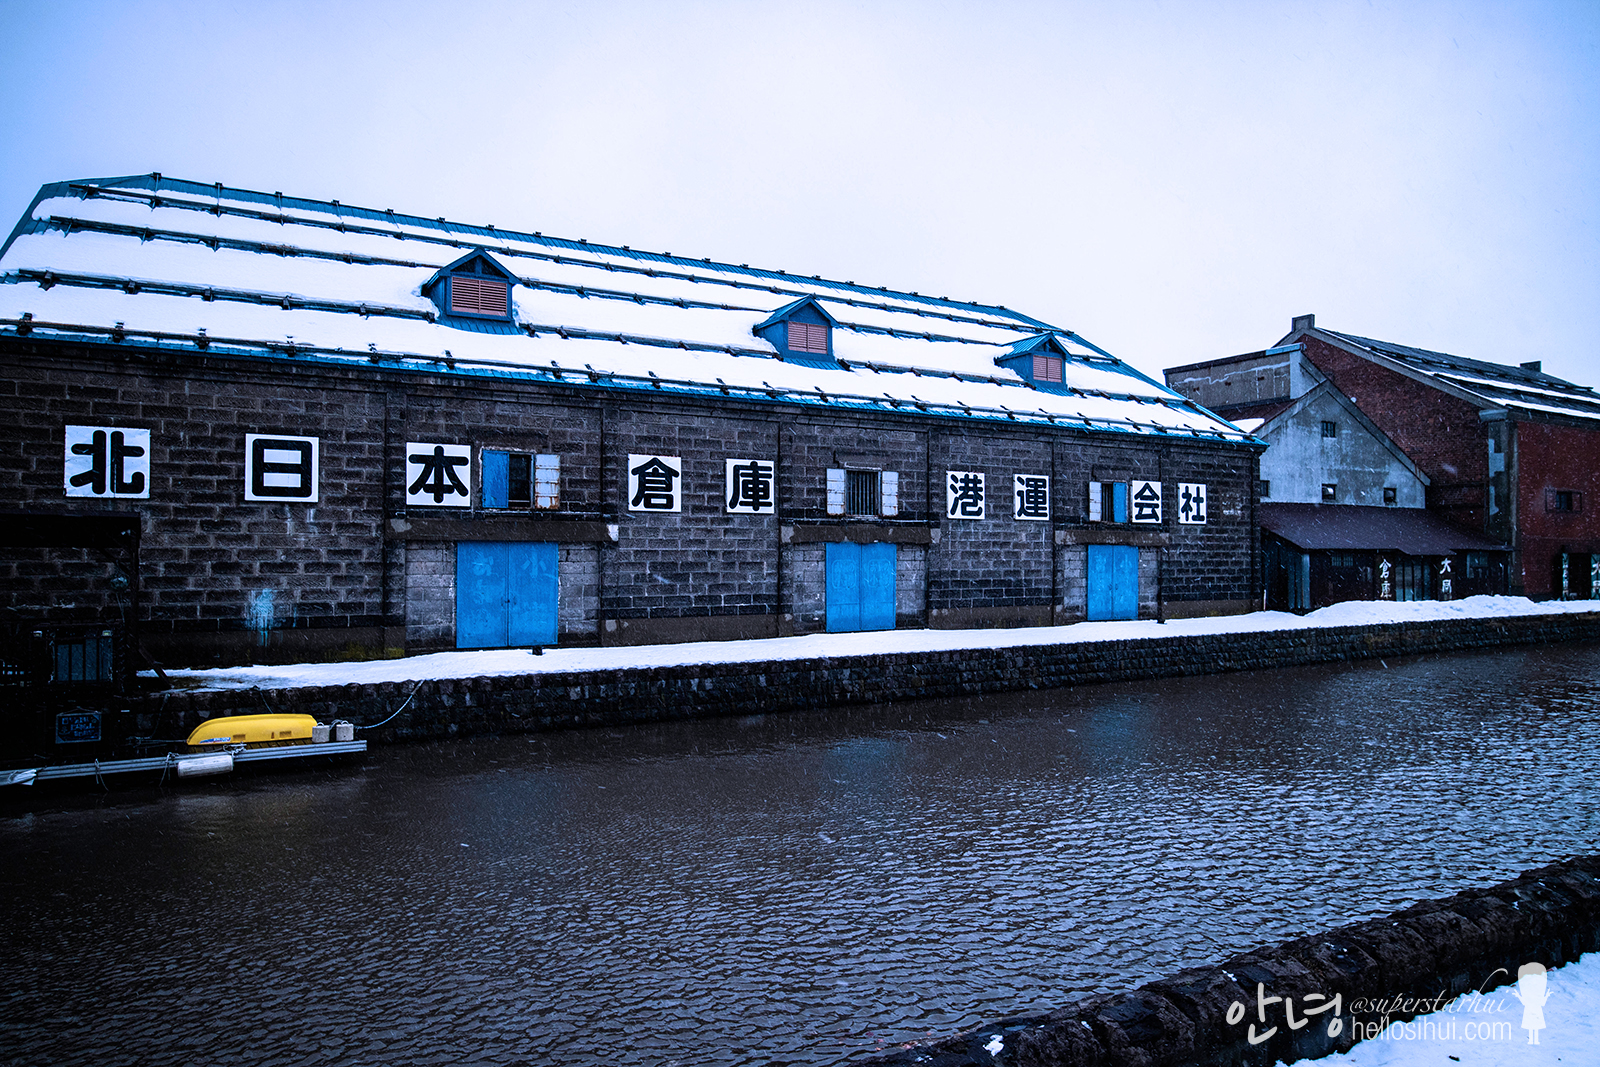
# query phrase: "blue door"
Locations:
[[1113, 582], [860, 587], [505, 594]]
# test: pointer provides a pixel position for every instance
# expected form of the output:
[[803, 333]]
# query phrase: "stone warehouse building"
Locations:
[[338, 431], [1506, 457]]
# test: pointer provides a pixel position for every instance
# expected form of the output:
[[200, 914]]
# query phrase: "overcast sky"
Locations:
[[1172, 180]]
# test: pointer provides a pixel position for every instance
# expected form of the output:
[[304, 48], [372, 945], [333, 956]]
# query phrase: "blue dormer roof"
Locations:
[[1021, 359], [802, 332], [473, 292]]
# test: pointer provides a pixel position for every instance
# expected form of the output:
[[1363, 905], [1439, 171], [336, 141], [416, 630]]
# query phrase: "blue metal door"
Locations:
[[860, 585], [877, 587], [1113, 582], [505, 594]]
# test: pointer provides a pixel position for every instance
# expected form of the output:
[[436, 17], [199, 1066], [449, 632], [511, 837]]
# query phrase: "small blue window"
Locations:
[[521, 480]]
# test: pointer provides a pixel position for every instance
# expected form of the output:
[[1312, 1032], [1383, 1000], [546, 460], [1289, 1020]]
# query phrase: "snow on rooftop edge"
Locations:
[[501, 662]]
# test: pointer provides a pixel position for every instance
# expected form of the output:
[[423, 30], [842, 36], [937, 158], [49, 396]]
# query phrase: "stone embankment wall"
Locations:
[[1383, 970], [545, 701]]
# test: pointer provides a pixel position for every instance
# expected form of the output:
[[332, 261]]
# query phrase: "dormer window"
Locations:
[[478, 296], [808, 337], [802, 332], [473, 287], [1040, 360]]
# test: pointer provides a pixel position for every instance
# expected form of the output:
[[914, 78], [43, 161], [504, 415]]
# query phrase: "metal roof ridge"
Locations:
[[1503, 371]]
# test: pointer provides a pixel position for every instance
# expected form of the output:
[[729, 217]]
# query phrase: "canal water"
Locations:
[[788, 889]]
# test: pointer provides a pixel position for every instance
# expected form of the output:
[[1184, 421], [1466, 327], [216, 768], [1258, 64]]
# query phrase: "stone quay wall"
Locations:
[[546, 701], [1393, 968]]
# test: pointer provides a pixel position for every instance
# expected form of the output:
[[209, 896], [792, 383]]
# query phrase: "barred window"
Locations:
[[861, 492], [521, 480]]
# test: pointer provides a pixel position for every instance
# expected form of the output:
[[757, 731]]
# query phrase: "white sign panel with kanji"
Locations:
[[438, 476], [107, 461], [281, 469], [1191, 504], [751, 487], [654, 483], [1144, 499], [1032, 499], [963, 495]]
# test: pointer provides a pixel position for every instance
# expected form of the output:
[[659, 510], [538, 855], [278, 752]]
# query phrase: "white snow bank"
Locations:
[[519, 661], [1488, 1030]]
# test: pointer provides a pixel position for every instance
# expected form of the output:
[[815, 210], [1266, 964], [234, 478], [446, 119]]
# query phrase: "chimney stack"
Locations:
[[1534, 365], [1303, 322]]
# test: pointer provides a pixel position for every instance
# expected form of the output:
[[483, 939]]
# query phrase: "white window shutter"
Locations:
[[836, 482], [1094, 502], [547, 482], [889, 490]]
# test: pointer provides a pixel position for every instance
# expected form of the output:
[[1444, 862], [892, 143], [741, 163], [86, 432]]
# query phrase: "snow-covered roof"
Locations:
[[150, 260], [1494, 385]]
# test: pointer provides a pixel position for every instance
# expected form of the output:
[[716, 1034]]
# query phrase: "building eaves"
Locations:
[[132, 340], [1356, 528]]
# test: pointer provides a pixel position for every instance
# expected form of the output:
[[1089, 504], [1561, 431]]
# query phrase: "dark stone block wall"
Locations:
[[360, 574], [211, 562], [546, 701]]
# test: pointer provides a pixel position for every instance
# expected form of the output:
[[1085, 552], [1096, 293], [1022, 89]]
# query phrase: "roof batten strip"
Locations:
[[211, 344]]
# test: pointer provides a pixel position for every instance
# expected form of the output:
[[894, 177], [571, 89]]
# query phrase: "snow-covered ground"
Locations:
[[519, 661], [1489, 1030]]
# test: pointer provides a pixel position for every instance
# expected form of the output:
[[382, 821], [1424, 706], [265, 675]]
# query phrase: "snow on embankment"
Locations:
[[503, 662]]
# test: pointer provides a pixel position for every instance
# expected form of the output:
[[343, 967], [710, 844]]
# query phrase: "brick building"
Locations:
[[341, 431], [1507, 455]]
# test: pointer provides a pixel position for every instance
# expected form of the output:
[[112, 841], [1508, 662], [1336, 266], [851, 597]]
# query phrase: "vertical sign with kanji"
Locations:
[[1444, 579], [963, 495], [438, 475], [1032, 497], [1145, 497], [281, 469], [106, 461], [749, 487], [1191, 504], [1385, 580], [653, 483]]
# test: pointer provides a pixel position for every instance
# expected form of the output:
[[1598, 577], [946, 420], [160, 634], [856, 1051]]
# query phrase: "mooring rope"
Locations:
[[398, 710]]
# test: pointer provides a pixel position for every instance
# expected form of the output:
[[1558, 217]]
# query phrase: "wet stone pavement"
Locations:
[[795, 889]]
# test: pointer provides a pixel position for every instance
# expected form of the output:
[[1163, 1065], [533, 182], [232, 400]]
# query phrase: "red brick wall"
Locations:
[[1441, 434], [1555, 457]]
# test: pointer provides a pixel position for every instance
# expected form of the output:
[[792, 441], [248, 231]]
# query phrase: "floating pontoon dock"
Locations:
[[184, 765]]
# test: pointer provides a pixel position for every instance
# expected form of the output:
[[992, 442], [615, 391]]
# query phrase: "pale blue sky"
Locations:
[[1173, 180]]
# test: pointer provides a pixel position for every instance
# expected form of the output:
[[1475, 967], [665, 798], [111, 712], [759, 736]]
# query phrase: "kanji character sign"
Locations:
[[653, 483], [963, 495]]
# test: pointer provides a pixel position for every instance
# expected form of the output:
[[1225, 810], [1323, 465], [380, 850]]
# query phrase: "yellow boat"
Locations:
[[252, 730]]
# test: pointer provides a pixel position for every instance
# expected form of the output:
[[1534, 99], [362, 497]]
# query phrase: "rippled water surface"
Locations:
[[795, 889]]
